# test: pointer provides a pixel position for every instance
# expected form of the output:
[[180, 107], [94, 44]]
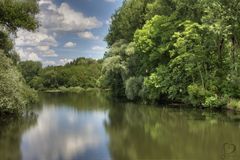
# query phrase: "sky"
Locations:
[[68, 29]]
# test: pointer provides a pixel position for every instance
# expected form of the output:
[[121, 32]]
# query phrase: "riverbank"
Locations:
[[232, 104], [63, 119], [71, 90]]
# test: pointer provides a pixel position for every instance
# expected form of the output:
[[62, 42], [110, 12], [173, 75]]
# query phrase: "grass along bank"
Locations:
[[71, 90], [234, 104]]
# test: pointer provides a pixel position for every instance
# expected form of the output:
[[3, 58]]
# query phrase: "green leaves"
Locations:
[[126, 20], [134, 87], [14, 93], [16, 14], [187, 51]]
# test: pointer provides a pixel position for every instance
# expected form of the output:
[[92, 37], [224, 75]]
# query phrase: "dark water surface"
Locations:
[[90, 126]]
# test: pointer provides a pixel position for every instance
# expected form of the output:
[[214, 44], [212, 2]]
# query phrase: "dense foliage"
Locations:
[[182, 51], [14, 14], [82, 72], [14, 93]]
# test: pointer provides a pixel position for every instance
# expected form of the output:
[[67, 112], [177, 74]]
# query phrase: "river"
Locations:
[[92, 126]]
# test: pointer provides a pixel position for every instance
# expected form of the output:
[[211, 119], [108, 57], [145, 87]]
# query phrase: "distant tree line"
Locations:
[[82, 72]]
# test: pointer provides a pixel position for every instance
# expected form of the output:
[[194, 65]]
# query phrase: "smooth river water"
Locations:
[[91, 126]]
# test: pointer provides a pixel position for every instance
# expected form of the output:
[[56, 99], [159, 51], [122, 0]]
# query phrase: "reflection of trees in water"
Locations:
[[85, 100], [138, 132], [10, 135]]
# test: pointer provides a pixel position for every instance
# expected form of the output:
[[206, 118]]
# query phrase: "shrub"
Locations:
[[197, 94], [214, 102], [234, 104], [14, 93], [133, 87]]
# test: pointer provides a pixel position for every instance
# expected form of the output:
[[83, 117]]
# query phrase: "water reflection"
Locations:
[[64, 133], [89, 126], [11, 131], [170, 133]]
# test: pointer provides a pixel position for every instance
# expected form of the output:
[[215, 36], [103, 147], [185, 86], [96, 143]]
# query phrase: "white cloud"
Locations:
[[64, 18], [98, 48], [49, 63], [108, 22], [59, 62], [28, 55], [33, 39], [87, 35], [34, 57], [64, 61], [70, 45], [54, 20], [38, 42], [111, 1]]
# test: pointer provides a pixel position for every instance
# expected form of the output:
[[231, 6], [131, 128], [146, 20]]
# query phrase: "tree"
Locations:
[[30, 69], [134, 87], [113, 75], [187, 51], [18, 14], [14, 93], [124, 26], [14, 15]]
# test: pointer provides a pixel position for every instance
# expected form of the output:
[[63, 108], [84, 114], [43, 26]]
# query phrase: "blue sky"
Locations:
[[69, 29]]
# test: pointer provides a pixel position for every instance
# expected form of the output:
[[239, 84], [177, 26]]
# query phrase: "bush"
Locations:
[[234, 104], [133, 87], [37, 83], [214, 102], [197, 94], [231, 87], [14, 93]]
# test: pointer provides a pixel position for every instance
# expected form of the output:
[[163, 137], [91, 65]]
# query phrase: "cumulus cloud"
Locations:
[[64, 61], [58, 62], [111, 1], [64, 18], [28, 54], [87, 35], [98, 48], [49, 63], [54, 20], [32, 39], [70, 45]]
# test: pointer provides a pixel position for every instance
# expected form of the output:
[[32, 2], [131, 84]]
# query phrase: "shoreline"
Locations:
[[232, 105]]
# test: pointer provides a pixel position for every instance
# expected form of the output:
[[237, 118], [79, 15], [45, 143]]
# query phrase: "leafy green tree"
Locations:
[[82, 72], [14, 15], [123, 25], [30, 69], [14, 93], [5, 42], [113, 75], [133, 88], [37, 83], [187, 51], [153, 42]]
